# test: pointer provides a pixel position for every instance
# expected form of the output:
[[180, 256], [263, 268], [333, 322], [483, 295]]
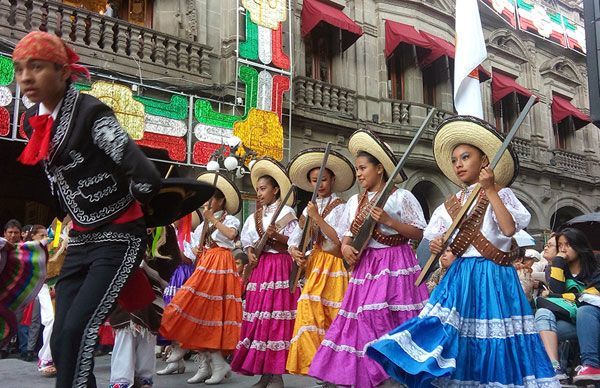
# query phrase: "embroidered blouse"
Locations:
[[249, 235], [334, 219], [219, 238], [401, 205], [441, 221]]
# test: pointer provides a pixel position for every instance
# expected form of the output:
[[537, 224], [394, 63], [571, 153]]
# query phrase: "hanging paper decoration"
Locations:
[[203, 151], [280, 59], [281, 84], [205, 113], [7, 70], [249, 47], [504, 8], [4, 122], [262, 132], [575, 35], [128, 111], [266, 13], [175, 146], [176, 109], [537, 19], [165, 126]]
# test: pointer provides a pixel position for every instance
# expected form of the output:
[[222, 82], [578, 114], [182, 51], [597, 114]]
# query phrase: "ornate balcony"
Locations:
[[412, 114], [100, 40], [522, 147], [315, 94], [570, 162]]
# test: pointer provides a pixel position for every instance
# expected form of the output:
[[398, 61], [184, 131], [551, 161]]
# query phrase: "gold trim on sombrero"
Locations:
[[309, 159], [233, 198], [473, 131], [271, 167], [367, 141]]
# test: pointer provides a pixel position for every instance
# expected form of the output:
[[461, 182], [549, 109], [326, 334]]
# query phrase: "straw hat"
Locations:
[[271, 167], [312, 158], [367, 141], [233, 198], [473, 131]]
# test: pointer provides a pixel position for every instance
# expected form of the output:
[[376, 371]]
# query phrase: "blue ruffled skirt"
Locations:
[[476, 330]]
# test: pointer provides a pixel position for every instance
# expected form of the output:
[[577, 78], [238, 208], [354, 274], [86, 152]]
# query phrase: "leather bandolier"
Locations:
[[210, 243], [363, 211], [274, 244], [320, 241], [470, 233]]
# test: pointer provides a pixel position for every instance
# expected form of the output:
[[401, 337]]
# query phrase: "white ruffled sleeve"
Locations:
[[348, 217], [438, 224], [289, 228], [296, 236], [232, 222], [249, 235], [519, 213], [337, 220], [194, 242], [410, 210]]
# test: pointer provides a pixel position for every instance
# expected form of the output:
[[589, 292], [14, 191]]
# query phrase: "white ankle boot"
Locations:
[[177, 353], [219, 368], [176, 367], [203, 369]]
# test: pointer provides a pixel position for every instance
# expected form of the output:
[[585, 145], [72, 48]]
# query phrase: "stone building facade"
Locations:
[[191, 46]]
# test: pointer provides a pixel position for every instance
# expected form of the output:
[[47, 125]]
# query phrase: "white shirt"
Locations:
[[401, 206], [219, 238], [334, 219], [45, 111], [441, 221], [249, 234]]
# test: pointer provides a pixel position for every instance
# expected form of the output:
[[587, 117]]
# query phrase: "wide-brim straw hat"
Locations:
[[233, 198], [312, 158], [274, 169], [367, 141], [470, 130]]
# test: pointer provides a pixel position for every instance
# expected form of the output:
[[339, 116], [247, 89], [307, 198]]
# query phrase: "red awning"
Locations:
[[396, 33], [562, 109], [503, 85], [440, 47], [315, 12]]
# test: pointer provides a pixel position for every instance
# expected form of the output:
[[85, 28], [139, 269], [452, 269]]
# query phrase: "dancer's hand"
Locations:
[[381, 216], [350, 254], [252, 259], [298, 257], [436, 245]]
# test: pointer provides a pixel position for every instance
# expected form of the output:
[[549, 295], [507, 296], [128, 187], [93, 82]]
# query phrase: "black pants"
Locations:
[[97, 265]]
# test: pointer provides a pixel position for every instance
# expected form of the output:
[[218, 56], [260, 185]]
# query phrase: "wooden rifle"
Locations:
[[464, 210], [307, 232], [361, 239], [262, 243]]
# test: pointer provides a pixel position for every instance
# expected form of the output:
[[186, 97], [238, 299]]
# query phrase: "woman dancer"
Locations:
[[206, 313], [381, 292], [270, 307], [326, 277], [477, 329]]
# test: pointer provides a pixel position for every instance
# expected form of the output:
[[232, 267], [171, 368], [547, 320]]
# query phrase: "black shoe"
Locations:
[[29, 356], [3, 354]]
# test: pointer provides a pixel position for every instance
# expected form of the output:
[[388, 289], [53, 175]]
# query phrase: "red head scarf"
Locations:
[[47, 47]]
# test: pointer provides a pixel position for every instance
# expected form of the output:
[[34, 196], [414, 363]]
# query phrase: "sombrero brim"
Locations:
[[233, 198], [473, 131], [310, 159], [271, 167], [367, 141], [177, 197]]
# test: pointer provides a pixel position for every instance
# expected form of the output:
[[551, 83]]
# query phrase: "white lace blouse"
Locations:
[[401, 205], [334, 219], [219, 238], [441, 221], [249, 235]]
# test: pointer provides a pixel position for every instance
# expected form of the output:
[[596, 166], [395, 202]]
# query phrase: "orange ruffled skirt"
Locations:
[[206, 312]]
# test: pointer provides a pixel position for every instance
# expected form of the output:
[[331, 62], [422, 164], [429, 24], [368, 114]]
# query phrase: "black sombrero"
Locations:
[[177, 197]]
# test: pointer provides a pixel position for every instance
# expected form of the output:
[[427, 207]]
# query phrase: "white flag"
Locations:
[[470, 53]]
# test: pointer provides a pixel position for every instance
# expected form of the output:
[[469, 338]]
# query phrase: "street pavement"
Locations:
[[21, 374]]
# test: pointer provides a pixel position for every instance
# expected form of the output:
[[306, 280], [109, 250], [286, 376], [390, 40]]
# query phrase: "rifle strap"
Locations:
[[258, 223]]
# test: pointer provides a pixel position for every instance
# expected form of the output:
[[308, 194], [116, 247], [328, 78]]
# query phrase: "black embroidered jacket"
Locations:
[[95, 169]]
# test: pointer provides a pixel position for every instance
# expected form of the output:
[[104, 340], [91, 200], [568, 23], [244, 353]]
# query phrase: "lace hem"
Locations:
[[263, 345], [279, 285], [417, 353], [216, 271], [381, 306], [211, 297], [279, 315], [347, 348], [203, 322], [528, 382], [305, 329], [400, 272], [323, 301], [333, 274]]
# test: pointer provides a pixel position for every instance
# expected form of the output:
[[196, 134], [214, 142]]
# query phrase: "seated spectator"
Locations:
[[525, 270], [570, 271], [436, 277]]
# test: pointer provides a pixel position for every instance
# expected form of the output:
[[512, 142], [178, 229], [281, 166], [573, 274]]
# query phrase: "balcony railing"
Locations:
[[105, 35], [321, 95], [413, 113], [522, 147], [570, 162]]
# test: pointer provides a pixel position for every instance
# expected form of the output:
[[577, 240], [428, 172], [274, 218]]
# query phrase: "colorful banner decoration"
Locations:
[[575, 35], [505, 9], [7, 74]]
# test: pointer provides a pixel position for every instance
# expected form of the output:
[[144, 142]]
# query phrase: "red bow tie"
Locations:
[[37, 148]]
